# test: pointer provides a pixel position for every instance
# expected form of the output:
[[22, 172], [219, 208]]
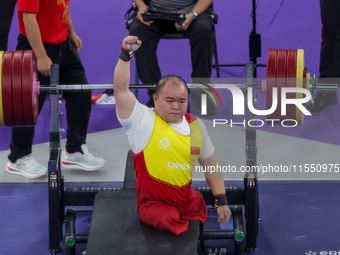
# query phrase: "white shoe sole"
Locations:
[[77, 166], [16, 172]]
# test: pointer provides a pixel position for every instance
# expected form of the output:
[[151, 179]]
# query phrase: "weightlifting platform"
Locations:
[[117, 229]]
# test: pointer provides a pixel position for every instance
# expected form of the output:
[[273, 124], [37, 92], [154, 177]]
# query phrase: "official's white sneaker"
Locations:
[[77, 160], [26, 166]]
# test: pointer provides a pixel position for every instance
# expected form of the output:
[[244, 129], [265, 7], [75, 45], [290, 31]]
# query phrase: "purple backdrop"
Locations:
[[282, 24]]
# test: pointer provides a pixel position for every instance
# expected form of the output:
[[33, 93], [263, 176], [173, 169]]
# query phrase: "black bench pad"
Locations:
[[117, 229]]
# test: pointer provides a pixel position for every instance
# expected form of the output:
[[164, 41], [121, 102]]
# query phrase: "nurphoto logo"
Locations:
[[238, 104], [204, 106], [238, 100]]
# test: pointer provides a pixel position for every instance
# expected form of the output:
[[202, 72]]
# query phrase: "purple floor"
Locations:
[[296, 218]]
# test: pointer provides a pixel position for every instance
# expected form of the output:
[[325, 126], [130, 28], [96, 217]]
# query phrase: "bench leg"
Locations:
[[201, 244]]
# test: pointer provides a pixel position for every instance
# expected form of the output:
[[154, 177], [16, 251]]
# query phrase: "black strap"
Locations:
[[221, 200]]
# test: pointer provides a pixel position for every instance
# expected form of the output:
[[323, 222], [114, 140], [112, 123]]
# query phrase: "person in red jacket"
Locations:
[[46, 27]]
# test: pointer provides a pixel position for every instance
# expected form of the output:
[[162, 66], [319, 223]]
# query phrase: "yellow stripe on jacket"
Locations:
[[170, 156]]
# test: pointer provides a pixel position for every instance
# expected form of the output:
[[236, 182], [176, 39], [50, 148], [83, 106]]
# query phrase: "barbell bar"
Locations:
[[19, 87]]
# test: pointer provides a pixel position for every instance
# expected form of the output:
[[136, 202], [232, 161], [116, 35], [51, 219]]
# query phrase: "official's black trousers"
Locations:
[[78, 104], [200, 34], [330, 45], [6, 14]]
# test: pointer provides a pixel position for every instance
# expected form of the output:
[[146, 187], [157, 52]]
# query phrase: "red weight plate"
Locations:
[[29, 88], [291, 81], [271, 80], [16, 89], [281, 79], [7, 88], [304, 78]]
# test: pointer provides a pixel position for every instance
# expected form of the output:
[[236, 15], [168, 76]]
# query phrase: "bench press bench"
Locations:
[[117, 229], [62, 226]]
